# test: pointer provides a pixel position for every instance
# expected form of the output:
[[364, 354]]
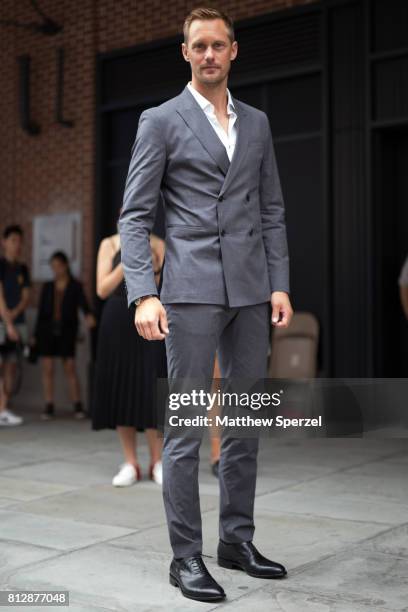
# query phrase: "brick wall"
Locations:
[[54, 171]]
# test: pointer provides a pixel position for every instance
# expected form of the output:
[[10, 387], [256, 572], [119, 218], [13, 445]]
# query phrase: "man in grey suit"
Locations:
[[211, 158]]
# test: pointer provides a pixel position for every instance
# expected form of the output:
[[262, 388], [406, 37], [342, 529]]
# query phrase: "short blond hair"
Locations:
[[208, 13]]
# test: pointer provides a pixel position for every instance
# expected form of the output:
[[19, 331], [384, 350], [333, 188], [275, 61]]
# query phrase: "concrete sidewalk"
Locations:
[[335, 512]]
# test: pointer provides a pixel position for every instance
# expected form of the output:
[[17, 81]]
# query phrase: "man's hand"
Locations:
[[9, 315], [12, 333], [151, 319], [281, 309], [12, 314]]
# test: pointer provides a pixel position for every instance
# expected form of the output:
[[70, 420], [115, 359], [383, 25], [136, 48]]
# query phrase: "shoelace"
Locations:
[[197, 565]]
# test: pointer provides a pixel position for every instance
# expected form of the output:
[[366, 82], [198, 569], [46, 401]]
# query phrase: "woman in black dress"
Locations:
[[127, 366], [56, 330]]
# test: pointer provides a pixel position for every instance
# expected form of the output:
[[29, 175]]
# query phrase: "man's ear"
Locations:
[[184, 50], [234, 49]]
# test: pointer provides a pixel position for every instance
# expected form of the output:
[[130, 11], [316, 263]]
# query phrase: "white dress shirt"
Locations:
[[228, 140]]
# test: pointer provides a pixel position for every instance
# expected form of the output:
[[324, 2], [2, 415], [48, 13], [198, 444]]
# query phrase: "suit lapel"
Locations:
[[194, 116], [241, 144]]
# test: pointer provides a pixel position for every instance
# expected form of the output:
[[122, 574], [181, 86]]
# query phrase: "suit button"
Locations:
[[251, 231], [220, 198], [247, 197], [223, 232]]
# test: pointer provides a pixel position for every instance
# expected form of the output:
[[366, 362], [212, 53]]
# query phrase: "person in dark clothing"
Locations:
[[14, 297], [127, 367], [56, 330]]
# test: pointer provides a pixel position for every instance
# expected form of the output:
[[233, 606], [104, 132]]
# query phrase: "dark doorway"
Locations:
[[119, 128], [297, 140], [391, 248]]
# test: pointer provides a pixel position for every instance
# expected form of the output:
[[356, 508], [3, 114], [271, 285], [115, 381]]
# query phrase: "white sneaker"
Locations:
[[157, 473], [126, 476], [9, 419]]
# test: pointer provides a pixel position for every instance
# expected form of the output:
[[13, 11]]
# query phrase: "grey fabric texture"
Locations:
[[225, 221], [241, 336]]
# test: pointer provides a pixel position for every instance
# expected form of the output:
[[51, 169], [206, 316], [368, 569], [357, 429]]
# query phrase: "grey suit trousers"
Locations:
[[241, 337]]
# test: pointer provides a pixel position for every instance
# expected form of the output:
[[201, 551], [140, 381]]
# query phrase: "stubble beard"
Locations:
[[211, 80]]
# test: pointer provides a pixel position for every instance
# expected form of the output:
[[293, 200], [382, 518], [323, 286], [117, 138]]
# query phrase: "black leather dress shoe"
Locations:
[[245, 556], [194, 580]]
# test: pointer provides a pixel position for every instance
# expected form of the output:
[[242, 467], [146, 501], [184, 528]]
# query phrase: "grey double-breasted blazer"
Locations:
[[225, 221]]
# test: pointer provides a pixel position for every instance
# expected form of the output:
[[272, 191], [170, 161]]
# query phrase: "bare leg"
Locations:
[[72, 378], [48, 378], [155, 445], [7, 377], [215, 436], [127, 436], [215, 450], [3, 397], [9, 373]]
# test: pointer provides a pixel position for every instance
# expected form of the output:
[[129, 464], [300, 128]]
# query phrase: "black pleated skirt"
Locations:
[[126, 371]]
